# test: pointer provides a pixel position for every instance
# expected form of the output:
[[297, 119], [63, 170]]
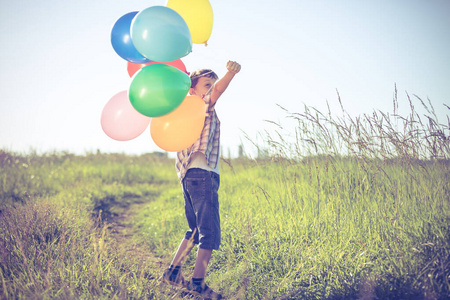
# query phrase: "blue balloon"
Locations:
[[121, 40], [161, 34]]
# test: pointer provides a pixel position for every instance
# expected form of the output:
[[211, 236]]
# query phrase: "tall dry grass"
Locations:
[[378, 135]]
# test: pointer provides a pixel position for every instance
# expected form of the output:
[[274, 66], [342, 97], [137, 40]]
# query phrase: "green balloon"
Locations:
[[158, 89]]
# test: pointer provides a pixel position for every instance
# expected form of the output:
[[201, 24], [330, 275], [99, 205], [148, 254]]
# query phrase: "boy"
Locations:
[[198, 171]]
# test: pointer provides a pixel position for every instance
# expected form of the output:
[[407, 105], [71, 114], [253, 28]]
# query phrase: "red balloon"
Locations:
[[132, 68]]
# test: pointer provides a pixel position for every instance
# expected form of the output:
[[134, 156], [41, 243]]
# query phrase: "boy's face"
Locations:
[[203, 87]]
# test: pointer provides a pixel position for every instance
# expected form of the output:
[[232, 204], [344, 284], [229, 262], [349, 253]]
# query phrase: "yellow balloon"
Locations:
[[180, 128], [198, 15]]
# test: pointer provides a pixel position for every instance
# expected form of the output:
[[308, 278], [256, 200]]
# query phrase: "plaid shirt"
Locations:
[[208, 143]]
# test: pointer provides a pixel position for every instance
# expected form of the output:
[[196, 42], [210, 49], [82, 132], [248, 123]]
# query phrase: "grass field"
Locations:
[[340, 208]]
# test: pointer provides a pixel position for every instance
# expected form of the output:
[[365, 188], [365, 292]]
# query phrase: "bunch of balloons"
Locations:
[[153, 41]]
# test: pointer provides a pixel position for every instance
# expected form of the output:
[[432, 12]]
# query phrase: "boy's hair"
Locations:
[[195, 76]]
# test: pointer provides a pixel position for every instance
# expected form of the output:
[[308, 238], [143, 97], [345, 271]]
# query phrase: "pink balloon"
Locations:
[[120, 121]]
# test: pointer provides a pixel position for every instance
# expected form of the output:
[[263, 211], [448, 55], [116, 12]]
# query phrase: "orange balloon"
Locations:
[[180, 128], [132, 68]]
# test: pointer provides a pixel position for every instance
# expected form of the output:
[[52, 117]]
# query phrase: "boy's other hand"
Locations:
[[233, 67]]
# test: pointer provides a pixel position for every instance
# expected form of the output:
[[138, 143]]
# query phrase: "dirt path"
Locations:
[[122, 230]]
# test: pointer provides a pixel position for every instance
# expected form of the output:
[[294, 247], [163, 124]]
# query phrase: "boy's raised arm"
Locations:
[[222, 84]]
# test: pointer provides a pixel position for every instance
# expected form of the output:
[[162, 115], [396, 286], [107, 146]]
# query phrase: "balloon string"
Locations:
[[207, 93]]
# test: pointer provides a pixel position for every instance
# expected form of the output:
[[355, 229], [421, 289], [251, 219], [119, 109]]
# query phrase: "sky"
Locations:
[[58, 68]]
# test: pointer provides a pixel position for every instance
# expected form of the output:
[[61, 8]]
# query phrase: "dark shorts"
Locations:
[[201, 204]]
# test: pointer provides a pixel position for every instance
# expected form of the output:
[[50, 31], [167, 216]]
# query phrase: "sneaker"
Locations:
[[169, 278], [202, 291]]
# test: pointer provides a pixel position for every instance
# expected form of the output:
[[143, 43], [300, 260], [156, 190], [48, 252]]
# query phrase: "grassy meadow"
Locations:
[[333, 208]]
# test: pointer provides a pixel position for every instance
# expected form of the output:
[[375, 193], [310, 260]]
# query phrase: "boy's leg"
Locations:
[[172, 275], [201, 263], [198, 286], [183, 251]]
